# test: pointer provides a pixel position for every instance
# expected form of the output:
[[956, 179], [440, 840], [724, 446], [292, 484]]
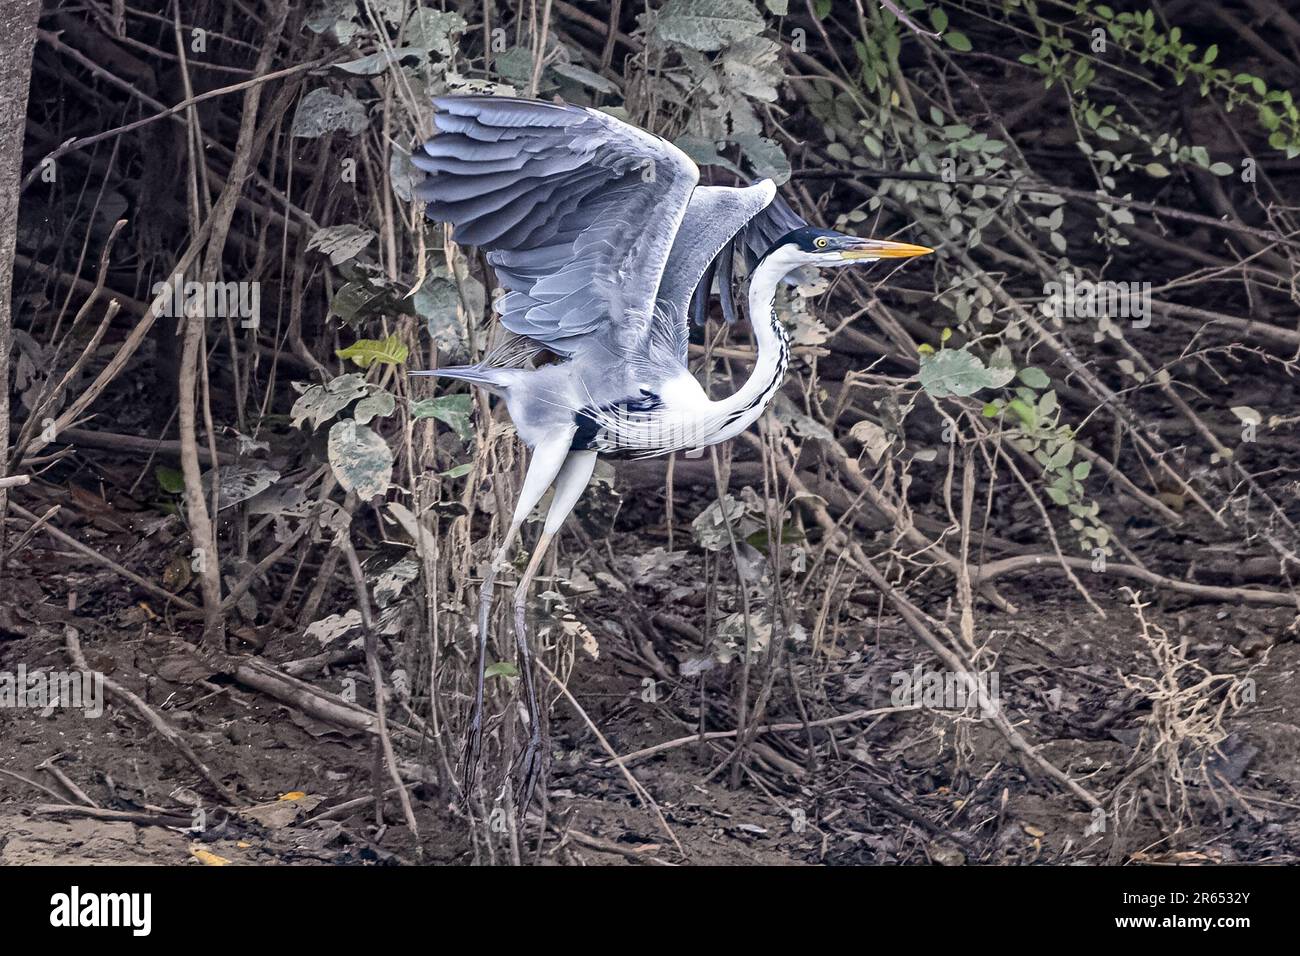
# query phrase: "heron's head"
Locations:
[[826, 248]]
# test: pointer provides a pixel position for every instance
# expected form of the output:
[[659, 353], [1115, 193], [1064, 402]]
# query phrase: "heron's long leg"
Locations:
[[569, 486], [546, 463]]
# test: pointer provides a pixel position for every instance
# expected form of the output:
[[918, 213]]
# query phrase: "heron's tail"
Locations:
[[491, 379]]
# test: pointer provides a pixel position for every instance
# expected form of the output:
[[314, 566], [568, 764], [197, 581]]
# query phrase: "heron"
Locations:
[[605, 245]]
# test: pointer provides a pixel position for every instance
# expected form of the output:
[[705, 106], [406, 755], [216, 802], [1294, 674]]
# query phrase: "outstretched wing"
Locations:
[[714, 217], [720, 222], [757, 236], [576, 210]]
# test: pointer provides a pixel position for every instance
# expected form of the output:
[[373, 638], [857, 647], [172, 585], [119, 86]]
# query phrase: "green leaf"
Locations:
[[433, 30], [403, 176], [957, 372], [321, 112], [452, 410], [169, 480], [514, 65], [1025, 412], [363, 352], [238, 483], [360, 458], [501, 669], [707, 25], [751, 69], [460, 471], [377, 63], [438, 303], [1061, 457], [585, 77], [788, 535], [767, 156], [379, 404], [340, 243], [958, 41], [335, 16], [320, 403], [1034, 377], [704, 152], [363, 298]]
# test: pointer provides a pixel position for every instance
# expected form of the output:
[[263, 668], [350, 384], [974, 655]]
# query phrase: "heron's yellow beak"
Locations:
[[884, 249]]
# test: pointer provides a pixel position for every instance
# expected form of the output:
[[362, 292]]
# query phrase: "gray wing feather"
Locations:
[[764, 229], [560, 199], [751, 241], [714, 215]]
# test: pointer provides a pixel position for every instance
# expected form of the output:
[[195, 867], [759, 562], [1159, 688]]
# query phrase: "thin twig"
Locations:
[[73, 644], [638, 791]]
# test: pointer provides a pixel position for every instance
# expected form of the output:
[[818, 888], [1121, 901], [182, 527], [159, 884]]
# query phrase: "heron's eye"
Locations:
[[821, 243]]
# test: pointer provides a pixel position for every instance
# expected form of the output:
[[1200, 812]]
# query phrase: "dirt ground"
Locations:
[[900, 787]]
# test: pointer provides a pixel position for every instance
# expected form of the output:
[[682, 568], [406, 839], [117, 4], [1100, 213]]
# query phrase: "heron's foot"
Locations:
[[531, 768], [472, 757]]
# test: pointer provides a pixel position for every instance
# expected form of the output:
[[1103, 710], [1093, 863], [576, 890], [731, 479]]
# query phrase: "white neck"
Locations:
[[739, 410]]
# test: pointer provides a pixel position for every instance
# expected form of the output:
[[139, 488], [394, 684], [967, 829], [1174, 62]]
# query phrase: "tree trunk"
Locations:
[[17, 38]]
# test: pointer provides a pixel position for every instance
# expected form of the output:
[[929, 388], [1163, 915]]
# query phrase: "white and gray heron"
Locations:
[[604, 242]]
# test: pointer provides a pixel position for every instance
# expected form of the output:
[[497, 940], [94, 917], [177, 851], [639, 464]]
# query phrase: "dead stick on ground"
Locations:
[[765, 729], [145, 711], [638, 791], [1210, 592], [67, 782], [133, 444], [94, 555], [176, 821], [39, 786], [343, 809], [608, 846], [915, 620], [311, 700], [32, 531]]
